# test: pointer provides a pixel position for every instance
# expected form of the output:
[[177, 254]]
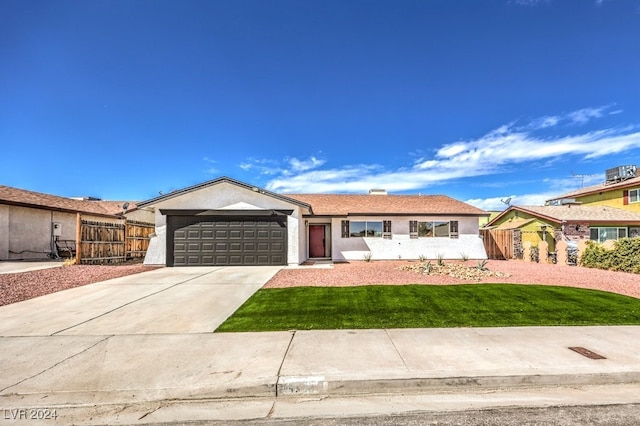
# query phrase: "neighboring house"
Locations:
[[31, 222], [227, 222], [620, 189], [569, 222]]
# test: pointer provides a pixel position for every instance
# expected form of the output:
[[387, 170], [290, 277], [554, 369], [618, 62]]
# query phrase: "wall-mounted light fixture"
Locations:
[[306, 223]]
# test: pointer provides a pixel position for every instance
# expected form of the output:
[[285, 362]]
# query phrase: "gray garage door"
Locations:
[[216, 240]]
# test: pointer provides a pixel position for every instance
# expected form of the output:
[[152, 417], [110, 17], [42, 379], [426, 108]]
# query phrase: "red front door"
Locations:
[[316, 241]]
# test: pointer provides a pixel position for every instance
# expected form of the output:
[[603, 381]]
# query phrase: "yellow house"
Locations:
[[620, 189], [568, 222]]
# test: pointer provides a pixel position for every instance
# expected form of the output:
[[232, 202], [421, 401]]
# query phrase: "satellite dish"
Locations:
[[507, 201], [125, 206]]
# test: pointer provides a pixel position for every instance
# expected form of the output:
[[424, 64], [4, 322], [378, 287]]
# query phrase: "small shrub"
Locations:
[[367, 257], [464, 256], [422, 258], [624, 257], [440, 259], [482, 265]]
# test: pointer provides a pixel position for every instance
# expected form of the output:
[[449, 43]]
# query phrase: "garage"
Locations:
[[221, 240]]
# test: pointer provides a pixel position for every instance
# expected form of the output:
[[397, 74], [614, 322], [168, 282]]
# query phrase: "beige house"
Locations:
[[33, 224]]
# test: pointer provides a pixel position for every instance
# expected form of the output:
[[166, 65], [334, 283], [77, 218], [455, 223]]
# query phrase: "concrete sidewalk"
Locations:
[[141, 349], [17, 266], [72, 372]]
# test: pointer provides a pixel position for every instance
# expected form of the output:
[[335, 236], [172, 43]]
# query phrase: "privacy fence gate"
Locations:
[[499, 243], [111, 241]]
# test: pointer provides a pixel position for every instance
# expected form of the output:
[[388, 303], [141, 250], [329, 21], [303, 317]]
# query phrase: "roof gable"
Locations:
[[218, 181]]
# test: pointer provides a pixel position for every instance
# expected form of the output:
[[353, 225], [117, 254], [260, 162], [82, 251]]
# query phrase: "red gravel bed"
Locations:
[[390, 273], [27, 285]]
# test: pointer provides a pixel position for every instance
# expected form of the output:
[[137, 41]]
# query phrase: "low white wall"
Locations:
[[157, 250], [401, 246]]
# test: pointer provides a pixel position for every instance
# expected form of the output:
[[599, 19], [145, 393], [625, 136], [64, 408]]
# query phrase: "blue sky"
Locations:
[[478, 100]]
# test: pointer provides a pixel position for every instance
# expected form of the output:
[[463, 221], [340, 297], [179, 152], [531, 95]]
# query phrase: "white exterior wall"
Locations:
[[224, 195], [400, 246], [140, 215], [26, 233]]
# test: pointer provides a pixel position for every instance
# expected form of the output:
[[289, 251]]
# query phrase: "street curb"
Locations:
[[321, 386]]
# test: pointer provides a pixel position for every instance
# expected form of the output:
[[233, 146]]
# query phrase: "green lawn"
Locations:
[[425, 306]]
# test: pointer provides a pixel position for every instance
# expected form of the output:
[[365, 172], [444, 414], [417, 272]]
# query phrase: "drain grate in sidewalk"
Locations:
[[586, 352]]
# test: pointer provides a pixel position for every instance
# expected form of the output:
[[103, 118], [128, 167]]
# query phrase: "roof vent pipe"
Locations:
[[377, 192]]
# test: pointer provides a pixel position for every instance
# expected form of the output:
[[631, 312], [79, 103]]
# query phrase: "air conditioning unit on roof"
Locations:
[[621, 173]]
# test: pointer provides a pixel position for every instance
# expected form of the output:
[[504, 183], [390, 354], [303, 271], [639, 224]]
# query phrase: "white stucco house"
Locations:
[[228, 222]]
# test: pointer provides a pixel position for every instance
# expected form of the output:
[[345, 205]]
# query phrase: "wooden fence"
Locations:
[[498, 243], [113, 241], [137, 235]]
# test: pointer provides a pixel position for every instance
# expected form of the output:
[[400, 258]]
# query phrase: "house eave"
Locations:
[[226, 212], [56, 209], [217, 181]]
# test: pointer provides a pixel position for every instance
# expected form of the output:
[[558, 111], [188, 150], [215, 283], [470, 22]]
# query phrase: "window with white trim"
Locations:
[[634, 196], [604, 233]]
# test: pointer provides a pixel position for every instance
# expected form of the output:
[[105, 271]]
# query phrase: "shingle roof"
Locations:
[[362, 204], [600, 188], [22, 197], [590, 213]]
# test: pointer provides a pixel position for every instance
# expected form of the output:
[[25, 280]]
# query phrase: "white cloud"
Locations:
[[530, 2], [303, 165], [584, 115], [500, 203], [506, 148], [210, 169], [263, 166]]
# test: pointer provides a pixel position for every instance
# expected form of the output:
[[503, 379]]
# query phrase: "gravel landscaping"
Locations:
[[27, 285], [504, 271]]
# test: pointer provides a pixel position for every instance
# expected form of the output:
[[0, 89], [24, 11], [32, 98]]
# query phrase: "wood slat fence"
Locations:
[[138, 235], [498, 243], [104, 242]]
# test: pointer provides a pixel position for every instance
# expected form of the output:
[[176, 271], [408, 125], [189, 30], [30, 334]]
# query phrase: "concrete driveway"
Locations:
[[167, 300]]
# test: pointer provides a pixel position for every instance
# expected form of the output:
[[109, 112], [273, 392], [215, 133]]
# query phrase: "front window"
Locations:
[[365, 228], [607, 233], [433, 229], [634, 196]]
